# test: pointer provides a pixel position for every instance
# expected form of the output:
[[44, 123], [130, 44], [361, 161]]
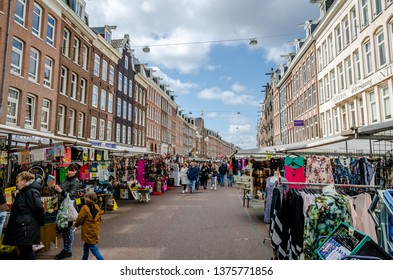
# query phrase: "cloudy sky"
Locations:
[[200, 49]]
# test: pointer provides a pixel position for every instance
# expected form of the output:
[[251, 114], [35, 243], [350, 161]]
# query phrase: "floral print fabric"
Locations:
[[319, 170]]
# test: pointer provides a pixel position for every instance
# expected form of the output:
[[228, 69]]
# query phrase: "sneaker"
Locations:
[[62, 255], [183, 192], [211, 188]]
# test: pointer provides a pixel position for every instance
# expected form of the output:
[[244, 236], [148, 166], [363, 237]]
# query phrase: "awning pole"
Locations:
[[371, 148], [9, 160]]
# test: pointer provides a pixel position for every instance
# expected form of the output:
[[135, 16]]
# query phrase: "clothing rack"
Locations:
[[325, 184]]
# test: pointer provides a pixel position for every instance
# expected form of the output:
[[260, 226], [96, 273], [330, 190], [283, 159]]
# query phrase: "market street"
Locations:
[[206, 225]]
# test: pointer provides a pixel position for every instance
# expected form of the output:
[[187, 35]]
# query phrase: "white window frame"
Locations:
[[352, 114], [349, 72], [129, 112], [13, 107], [104, 70], [94, 97], [61, 119], [125, 84], [45, 114], [130, 87], [36, 20], [129, 135], [362, 119], [50, 33], [365, 18], [85, 57], [124, 109], [111, 75], [124, 134], [333, 82], [17, 56], [66, 42], [71, 119], [48, 72], [118, 133], [97, 61], [63, 80], [354, 24], [81, 124], [20, 12], [368, 58], [101, 133], [386, 105], [338, 36], [373, 106], [120, 82], [34, 64], [93, 128], [357, 66], [380, 48], [110, 103], [118, 107], [77, 43], [74, 85], [109, 131], [377, 8], [344, 117], [30, 111], [103, 100], [346, 32], [82, 91]]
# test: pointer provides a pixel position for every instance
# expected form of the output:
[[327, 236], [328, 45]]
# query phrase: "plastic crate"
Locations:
[[345, 240]]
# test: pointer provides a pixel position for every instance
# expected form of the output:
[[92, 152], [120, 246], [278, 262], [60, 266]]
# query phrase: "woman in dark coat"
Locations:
[[27, 215], [70, 186]]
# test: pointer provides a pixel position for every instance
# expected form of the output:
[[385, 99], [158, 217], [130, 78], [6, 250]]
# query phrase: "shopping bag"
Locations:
[[62, 214], [72, 212]]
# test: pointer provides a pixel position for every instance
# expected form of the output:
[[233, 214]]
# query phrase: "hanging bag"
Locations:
[[62, 214], [72, 212]]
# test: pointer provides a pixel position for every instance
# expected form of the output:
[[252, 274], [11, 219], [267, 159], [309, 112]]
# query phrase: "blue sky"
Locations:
[[200, 49]]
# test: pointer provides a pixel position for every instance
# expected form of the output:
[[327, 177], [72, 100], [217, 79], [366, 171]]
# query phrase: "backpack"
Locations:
[[222, 169]]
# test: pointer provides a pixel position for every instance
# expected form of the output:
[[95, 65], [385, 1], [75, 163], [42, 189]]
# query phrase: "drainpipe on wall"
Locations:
[[5, 58]]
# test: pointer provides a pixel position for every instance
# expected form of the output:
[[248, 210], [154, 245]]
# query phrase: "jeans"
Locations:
[[68, 238], [94, 250], [230, 180], [214, 182], [192, 185], [222, 180], [3, 215]]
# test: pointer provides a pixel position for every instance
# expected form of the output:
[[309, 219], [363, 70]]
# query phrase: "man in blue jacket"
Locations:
[[192, 174]]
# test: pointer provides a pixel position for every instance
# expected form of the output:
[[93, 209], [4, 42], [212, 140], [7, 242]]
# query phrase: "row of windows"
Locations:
[[14, 103], [102, 131], [76, 122]]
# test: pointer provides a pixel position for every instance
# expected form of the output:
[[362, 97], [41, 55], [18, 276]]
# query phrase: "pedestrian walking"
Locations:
[[230, 176], [205, 171], [192, 175], [222, 170], [214, 174], [89, 218], [70, 185], [183, 177], [27, 215]]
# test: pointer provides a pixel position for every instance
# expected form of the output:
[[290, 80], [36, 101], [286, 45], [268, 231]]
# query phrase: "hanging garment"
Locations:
[[354, 172], [276, 163], [367, 171], [322, 217], [294, 170], [341, 171], [270, 184], [295, 220], [319, 170]]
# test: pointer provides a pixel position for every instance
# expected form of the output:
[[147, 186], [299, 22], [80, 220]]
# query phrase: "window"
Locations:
[[125, 86], [354, 24], [110, 103], [341, 80], [50, 33], [327, 87], [30, 111], [111, 75], [103, 100], [101, 133], [377, 7], [124, 134], [12, 107], [63, 80], [129, 135], [386, 109], [333, 80], [45, 114], [104, 70], [344, 117], [368, 63], [33, 66], [20, 12], [118, 107], [85, 57], [336, 121], [330, 125], [109, 131], [361, 112], [80, 10], [352, 112], [337, 31], [94, 98], [380, 47], [391, 37], [126, 62], [118, 131], [312, 65], [82, 91], [97, 60], [71, 127], [76, 50], [347, 37], [321, 91], [348, 64], [93, 128], [130, 88], [66, 43], [17, 56], [124, 109], [373, 107], [48, 71], [358, 68], [330, 47], [74, 85], [120, 82], [365, 15], [36, 24], [81, 124], [61, 119], [129, 111]]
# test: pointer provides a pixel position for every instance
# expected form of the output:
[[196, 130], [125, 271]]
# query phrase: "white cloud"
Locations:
[[227, 97], [176, 85]]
